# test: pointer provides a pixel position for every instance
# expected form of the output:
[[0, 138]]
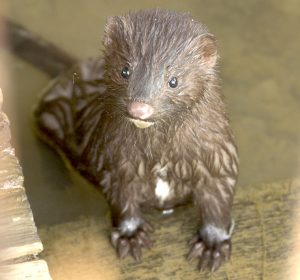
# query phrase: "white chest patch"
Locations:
[[162, 189]]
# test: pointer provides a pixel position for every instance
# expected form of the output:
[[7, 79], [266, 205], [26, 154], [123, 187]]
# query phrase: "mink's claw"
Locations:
[[196, 251], [135, 249], [144, 239], [210, 256], [131, 244], [123, 248]]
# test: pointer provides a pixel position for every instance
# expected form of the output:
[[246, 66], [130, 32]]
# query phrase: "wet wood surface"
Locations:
[[19, 242], [266, 242]]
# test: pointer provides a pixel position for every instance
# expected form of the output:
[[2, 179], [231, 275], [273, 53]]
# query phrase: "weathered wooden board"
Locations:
[[266, 242], [19, 242], [37, 270], [19, 234]]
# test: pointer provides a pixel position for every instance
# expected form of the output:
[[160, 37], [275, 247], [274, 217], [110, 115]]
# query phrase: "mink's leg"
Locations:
[[130, 231], [212, 243]]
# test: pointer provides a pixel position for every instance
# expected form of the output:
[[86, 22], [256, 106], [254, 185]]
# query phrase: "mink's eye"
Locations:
[[125, 73], [173, 82]]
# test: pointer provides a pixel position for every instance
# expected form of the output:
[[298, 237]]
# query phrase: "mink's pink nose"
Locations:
[[140, 110]]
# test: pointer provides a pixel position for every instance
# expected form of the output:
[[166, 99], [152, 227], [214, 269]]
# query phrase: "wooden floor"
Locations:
[[266, 242], [19, 242]]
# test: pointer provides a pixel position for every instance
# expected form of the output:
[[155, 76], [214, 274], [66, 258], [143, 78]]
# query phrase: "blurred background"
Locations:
[[259, 47]]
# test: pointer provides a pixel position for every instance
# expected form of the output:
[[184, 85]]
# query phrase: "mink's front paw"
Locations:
[[130, 238], [211, 257], [212, 246]]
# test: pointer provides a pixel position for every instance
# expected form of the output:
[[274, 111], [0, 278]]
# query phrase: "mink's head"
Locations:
[[158, 64]]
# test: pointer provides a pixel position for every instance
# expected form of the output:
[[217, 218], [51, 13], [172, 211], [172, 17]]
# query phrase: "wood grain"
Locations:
[[37, 270], [266, 242], [19, 242]]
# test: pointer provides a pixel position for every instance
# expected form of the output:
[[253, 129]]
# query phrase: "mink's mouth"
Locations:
[[141, 124]]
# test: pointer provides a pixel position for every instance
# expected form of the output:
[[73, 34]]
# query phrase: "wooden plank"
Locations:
[[266, 242], [4, 131], [19, 241], [19, 234], [10, 171], [37, 270]]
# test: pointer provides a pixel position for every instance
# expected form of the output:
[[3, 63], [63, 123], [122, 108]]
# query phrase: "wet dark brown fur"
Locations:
[[189, 151]]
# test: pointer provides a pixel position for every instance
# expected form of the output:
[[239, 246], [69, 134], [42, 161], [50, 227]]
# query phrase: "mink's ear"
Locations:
[[208, 49], [110, 30]]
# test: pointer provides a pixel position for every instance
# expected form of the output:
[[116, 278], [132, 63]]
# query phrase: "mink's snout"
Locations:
[[140, 110]]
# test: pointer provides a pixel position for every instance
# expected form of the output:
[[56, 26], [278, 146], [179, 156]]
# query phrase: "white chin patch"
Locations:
[[141, 124], [162, 189]]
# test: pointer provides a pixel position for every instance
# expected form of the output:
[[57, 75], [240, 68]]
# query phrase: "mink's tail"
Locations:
[[37, 51]]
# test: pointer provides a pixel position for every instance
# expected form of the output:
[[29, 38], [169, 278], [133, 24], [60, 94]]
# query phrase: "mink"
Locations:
[[148, 125]]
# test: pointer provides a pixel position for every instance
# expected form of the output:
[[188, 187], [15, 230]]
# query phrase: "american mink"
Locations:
[[148, 125]]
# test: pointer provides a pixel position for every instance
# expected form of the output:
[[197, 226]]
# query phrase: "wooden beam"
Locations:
[[37, 270], [19, 241]]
